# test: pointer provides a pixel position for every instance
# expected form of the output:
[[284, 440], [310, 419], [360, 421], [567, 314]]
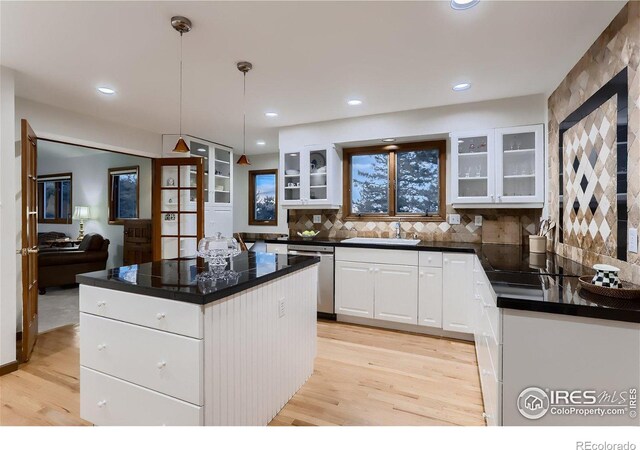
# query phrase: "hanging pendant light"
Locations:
[[181, 25], [244, 67]]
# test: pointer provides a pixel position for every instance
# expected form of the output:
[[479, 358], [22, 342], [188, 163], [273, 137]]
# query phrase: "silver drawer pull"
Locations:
[[102, 403], [101, 304], [101, 347], [160, 316], [162, 364]]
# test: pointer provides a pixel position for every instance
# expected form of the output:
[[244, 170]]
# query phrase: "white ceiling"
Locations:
[[309, 58]]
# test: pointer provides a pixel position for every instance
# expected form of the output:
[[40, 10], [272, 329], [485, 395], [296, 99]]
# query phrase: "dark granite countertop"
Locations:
[[522, 280], [183, 280]]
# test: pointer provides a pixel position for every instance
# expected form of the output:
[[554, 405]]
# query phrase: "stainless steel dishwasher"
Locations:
[[326, 305]]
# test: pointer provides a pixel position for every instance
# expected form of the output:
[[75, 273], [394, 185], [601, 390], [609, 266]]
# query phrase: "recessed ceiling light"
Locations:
[[261, 143], [389, 140], [354, 102], [106, 90], [271, 114], [461, 86], [463, 4]]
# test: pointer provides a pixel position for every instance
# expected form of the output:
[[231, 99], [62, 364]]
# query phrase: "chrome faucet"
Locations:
[[397, 227]]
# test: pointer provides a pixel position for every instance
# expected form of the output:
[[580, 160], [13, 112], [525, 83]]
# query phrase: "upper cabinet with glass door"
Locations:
[[472, 162], [310, 177], [218, 167], [498, 168]]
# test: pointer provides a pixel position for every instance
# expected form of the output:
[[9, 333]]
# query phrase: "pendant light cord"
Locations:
[[181, 84], [244, 113]]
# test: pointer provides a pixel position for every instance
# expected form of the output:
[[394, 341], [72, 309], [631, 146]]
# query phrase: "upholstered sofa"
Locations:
[[59, 266]]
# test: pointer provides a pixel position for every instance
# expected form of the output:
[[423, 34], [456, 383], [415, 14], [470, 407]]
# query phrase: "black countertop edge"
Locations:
[[618, 315], [98, 279]]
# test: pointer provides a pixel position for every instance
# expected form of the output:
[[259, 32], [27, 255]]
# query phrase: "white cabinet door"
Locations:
[[218, 220], [472, 167], [396, 293], [457, 303], [520, 164], [430, 296], [354, 289]]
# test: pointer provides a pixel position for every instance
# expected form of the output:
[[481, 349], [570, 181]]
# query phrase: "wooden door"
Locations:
[[396, 293], [354, 289], [138, 241], [178, 207], [29, 249], [457, 302], [430, 297]]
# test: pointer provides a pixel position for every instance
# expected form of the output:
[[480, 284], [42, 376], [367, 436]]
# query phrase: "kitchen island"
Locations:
[[164, 343]]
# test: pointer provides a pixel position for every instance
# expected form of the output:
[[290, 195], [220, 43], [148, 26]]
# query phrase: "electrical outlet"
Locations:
[[317, 218], [454, 219], [478, 221], [281, 308], [633, 240]]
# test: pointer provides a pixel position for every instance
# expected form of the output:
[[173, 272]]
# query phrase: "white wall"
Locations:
[[420, 122], [90, 188], [8, 231], [67, 126], [241, 196]]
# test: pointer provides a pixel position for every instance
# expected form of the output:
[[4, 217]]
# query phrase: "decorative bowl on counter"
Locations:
[[309, 234]]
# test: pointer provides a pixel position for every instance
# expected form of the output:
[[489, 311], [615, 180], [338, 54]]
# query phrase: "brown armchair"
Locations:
[[59, 266]]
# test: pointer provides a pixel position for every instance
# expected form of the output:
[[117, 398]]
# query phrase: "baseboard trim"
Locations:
[[8, 368], [417, 329]]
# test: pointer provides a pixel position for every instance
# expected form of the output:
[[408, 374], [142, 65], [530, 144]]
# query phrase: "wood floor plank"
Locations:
[[362, 376]]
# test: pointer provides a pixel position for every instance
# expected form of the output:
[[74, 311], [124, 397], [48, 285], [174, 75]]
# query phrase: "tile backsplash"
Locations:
[[333, 224]]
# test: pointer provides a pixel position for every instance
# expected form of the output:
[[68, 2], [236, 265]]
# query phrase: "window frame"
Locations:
[[392, 150], [111, 201], [252, 197], [55, 177]]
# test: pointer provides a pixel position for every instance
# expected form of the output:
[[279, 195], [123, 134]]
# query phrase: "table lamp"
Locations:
[[81, 213]]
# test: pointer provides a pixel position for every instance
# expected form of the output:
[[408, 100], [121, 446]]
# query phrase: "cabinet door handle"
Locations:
[[101, 347], [422, 274], [162, 364], [376, 270], [370, 269], [446, 260], [101, 304], [160, 316], [102, 403]]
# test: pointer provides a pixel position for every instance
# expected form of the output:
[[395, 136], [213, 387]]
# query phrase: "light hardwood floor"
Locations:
[[363, 376]]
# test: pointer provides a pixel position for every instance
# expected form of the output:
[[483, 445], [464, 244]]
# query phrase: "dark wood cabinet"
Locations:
[[138, 245]]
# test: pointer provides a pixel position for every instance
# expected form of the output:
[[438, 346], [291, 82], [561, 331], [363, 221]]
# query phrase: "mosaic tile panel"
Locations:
[[616, 48], [590, 182]]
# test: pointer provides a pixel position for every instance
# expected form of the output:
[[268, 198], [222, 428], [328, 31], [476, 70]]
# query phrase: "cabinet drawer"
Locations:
[[159, 313], [430, 259], [378, 256], [105, 400], [165, 362]]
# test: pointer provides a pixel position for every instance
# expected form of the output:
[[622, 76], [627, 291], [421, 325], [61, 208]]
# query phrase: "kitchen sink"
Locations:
[[381, 241]]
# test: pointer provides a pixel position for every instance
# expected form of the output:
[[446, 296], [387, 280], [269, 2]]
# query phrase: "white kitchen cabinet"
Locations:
[[430, 296], [457, 302], [218, 166], [218, 219], [396, 293], [355, 288], [472, 167], [498, 168], [311, 177], [520, 165]]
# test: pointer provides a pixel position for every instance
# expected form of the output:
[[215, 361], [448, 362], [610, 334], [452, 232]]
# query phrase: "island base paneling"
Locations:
[[260, 346]]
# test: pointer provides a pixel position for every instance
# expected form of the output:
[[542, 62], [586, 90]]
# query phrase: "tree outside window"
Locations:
[[124, 194], [263, 197], [54, 198], [394, 181]]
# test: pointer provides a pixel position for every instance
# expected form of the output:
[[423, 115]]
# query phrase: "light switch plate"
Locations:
[[632, 242], [478, 221], [317, 218], [454, 219]]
